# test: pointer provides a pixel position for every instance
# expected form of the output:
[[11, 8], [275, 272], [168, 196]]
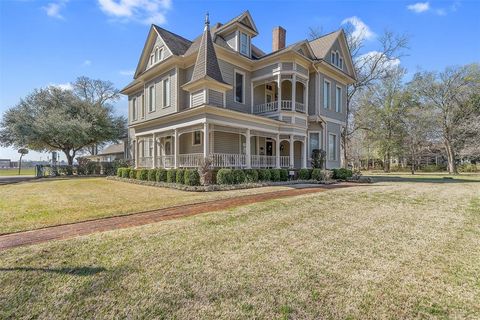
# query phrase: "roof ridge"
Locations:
[[172, 33], [325, 35]]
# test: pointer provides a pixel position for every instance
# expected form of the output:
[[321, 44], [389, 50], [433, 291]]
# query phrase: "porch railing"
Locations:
[[228, 160], [284, 161], [189, 160], [300, 107], [258, 161], [285, 105], [145, 162], [166, 161]]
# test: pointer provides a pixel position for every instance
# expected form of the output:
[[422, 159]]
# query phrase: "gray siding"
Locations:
[[333, 128], [227, 70], [311, 94], [161, 45], [160, 109], [287, 66], [301, 69], [226, 142], [186, 144], [215, 98], [265, 71], [198, 98], [139, 105], [300, 121], [330, 112]]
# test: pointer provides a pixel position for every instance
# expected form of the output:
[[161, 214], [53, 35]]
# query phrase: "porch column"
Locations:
[[175, 149], [154, 160], [137, 153], [277, 151], [294, 91], [292, 162], [304, 154], [248, 159], [206, 143], [279, 80], [305, 99]]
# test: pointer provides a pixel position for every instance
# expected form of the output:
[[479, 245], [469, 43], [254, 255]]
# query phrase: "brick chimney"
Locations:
[[278, 38]]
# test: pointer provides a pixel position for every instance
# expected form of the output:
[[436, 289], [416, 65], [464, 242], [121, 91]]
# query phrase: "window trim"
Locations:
[[320, 137], [235, 71], [247, 53], [164, 99], [151, 98], [334, 158], [193, 138], [328, 104], [338, 106], [134, 108]]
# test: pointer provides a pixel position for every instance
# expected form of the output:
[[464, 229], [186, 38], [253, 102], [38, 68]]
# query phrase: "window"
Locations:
[[314, 141], [150, 147], [244, 44], [333, 58], [338, 99], [336, 59], [340, 64], [134, 108], [166, 92], [332, 147], [197, 138], [151, 59], [326, 94], [156, 55], [151, 97], [239, 87]]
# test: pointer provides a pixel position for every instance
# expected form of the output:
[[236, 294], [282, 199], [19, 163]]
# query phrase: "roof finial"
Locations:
[[207, 19]]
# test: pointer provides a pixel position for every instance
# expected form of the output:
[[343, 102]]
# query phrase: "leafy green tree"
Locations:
[[67, 120]]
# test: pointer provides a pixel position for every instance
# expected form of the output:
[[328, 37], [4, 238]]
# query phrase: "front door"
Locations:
[[269, 145]]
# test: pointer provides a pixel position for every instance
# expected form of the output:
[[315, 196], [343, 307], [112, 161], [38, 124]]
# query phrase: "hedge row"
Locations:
[[181, 176], [191, 177]]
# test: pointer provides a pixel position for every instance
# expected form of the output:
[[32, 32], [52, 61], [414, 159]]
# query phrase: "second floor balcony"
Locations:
[[290, 95]]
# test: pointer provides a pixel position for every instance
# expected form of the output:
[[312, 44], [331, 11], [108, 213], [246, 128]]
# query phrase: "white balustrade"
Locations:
[[189, 160], [300, 107], [145, 162], [284, 161], [166, 161], [286, 105], [228, 160], [266, 107], [263, 161]]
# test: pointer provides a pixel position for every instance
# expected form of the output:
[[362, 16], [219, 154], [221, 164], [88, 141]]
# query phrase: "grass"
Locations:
[[14, 172], [40, 203], [388, 250]]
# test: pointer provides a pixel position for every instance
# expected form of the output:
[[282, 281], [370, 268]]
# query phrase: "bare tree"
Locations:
[[446, 94], [315, 32]]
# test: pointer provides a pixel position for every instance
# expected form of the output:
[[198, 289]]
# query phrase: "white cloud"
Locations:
[[127, 72], [419, 7], [53, 9], [86, 63], [63, 86], [144, 11], [360, 29], [441, 12]]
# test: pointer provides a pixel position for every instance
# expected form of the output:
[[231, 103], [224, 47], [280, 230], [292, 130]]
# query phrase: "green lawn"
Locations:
[[14, 172], [46, 202], [393, 250]]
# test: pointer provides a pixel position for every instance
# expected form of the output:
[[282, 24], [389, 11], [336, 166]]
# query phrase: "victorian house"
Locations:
[[220, 96]]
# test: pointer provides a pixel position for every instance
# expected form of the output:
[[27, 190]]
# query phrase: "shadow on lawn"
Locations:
[[75, 271], [423, 179]]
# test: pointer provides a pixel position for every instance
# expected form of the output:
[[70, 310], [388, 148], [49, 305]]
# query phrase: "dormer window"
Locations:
[[244, 44], [337, 60], [156, 56]]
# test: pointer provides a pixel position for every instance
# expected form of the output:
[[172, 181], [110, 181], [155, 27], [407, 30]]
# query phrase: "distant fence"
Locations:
[[83, 169]]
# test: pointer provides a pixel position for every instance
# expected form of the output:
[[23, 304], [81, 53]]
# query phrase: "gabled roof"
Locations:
[[206, 65], [177, 44], [321, 46], [113, 149], [245, 19]]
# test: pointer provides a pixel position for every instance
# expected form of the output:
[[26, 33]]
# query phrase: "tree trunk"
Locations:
[[413, 162], [386, 162], [452, 167], [20, 164], [69, 157]]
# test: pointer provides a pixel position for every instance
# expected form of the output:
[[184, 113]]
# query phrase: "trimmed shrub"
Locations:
[[275, 174], [264, 175], [317, 174], [238, 176], [172, 176], [107, 168], [142, 174], [436, 168], [152, 174], [132, 174], [119, 172], [161, 175], [126, 172], [92, 168], [225, 176], [251, 175], [304, 174], [468, 167], [192, 177], [342, 174], [81, 171], [283, 174], [180, 176]]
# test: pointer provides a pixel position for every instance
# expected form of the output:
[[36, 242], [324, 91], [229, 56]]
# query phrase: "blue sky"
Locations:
[[55, 41]]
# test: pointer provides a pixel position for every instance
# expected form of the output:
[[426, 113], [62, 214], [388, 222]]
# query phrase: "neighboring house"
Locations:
[[5, 163], [111, 153], [220, 96]]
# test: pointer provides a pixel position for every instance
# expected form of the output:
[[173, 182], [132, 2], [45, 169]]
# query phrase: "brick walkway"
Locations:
[[137, 219]]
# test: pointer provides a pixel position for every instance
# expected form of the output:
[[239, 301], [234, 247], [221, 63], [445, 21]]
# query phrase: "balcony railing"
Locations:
[[285, 105]]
